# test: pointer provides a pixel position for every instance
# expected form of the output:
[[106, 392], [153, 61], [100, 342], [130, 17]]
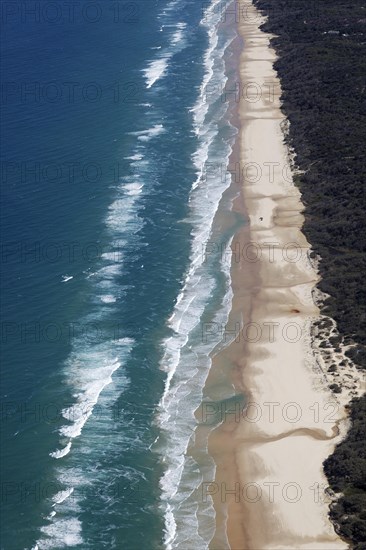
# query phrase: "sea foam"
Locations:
[[186, 357], [158, 67]]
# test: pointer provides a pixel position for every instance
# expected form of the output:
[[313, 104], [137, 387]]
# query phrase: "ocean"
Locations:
[[116, 227]]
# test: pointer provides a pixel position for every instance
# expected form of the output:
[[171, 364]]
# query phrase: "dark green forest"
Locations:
[[321, 48]]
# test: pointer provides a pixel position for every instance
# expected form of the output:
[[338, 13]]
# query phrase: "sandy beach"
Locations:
[[270, 489]]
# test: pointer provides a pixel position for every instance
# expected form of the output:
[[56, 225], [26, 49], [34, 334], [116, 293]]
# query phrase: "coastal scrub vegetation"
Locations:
[[346, 472], [321, 49]]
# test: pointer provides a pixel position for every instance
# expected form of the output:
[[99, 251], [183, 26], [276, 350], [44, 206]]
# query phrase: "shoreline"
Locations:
[[270, 460]]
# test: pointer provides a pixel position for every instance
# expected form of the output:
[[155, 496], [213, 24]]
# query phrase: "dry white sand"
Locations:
[[294, 421]]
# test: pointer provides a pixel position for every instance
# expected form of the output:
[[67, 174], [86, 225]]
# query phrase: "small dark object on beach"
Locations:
[[335, 388]]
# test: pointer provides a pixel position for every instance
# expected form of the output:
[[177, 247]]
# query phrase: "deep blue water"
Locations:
[[106, 206]]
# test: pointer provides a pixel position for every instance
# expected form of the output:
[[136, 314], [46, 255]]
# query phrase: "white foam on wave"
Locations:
[[108, 299], [146, 135], [179, 34], [133, 188], [170, 527], [89, 389], [61, 534], [123, 221], [187, 358], [212, 85], [89, 371], [108, 271], [187, 365], [169, 8], [116, 255], [155, 70], [62, 495], [135, 157], [63, 452]]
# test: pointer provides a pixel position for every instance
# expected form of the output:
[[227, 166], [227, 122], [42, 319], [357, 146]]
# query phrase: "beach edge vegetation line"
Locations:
[[322, 67]]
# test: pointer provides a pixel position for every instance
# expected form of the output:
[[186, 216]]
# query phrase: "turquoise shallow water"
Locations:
[[111, 177]]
